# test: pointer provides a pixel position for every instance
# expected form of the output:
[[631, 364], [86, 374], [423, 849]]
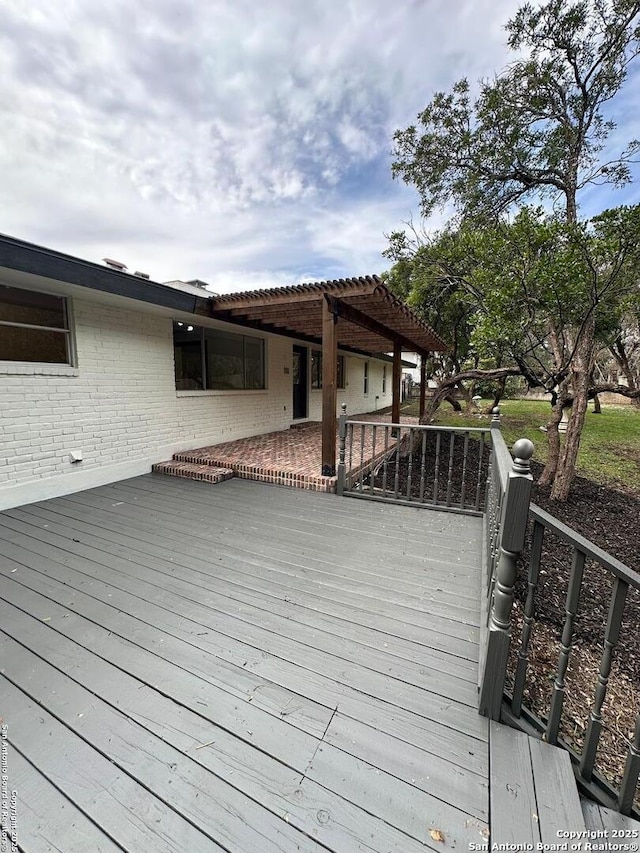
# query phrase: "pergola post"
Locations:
[[396, 380], [423, 384], [329, 388]]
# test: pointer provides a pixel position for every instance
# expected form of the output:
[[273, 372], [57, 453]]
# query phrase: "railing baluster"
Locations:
[[496, 515], [350, 481], [611, 636], [396, 480], [571, 608], [410, 471], [361, 474], [490, 502], [373, 459], [341, 455], [523, 654], [465, 454], [386, 460], [479, 478], [452, 441], [631, 773], [423, 456], [436, 475]]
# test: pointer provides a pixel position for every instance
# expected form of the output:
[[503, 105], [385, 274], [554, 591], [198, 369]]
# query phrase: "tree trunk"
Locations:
[[619, 352], [580, 381], [566, 469], [446, 392], [553, 440], [455, 404], [597, 408], [497, 395]]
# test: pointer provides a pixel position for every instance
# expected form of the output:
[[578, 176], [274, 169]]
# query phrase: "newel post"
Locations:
[[342, 432], [513, 526]]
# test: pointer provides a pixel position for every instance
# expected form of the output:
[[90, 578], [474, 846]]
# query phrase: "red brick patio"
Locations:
[[289, 457]]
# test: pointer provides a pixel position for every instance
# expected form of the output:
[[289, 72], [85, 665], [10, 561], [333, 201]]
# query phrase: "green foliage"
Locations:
[[498, 293], [610, 446], [538, 127]]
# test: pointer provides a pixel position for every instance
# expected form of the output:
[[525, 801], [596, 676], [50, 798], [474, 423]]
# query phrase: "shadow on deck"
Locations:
[[245, 668]]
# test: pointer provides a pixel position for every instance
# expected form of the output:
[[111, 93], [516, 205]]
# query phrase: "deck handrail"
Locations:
[[415, 464], [506, 521]]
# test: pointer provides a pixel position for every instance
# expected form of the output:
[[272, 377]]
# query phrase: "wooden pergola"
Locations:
[[359, 315]]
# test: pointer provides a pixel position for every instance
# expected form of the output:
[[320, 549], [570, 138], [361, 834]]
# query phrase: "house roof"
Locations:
[[36, 260], [369, 315]]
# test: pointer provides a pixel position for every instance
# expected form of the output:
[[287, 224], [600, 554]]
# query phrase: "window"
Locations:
[[316, 370], [34, 327], [206, 359], [384, 378], [366, 377]]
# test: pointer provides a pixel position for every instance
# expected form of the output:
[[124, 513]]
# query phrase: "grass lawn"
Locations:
[[609, 448]]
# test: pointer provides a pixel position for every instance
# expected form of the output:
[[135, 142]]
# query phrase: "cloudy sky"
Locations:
[[243, 143]]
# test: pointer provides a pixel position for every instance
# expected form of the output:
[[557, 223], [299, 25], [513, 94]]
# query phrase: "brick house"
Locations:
[[103, 373]]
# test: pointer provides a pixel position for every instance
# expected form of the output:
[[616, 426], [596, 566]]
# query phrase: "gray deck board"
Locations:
[[137, 524], [248, 589], [136, 819], [48, 820], [198, 797], [317, 646], [280, 789], [294, 558], [336, 682], [556, 792], [241, 576], [599, 817], [276, 531], [424, 614], [194, 601], [514, 811]]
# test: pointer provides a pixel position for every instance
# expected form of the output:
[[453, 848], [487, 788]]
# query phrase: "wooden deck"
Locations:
[[241, 667]]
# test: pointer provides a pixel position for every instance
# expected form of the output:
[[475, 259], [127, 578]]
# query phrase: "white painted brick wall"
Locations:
[[353, 395], [121, 409]]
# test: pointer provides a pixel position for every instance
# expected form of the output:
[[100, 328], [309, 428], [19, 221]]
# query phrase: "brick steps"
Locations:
[[203, 464], [193, 471]]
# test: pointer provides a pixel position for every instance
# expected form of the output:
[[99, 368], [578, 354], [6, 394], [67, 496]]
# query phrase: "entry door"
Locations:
[[300, 382]]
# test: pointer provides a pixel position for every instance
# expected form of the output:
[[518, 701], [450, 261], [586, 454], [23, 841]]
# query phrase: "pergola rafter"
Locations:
[[357, 314]]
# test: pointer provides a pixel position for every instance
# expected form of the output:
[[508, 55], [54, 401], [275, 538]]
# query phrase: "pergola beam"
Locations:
[[358, 318]]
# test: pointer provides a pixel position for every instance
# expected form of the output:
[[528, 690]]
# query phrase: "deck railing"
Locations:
[[508, 516], [443, 468]]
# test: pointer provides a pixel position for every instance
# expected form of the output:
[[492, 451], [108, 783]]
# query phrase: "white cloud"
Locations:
[[191, 139]]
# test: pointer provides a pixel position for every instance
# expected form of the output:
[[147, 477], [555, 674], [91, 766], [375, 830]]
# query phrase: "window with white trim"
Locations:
[[316, 370], [210, 359], [34, 327]]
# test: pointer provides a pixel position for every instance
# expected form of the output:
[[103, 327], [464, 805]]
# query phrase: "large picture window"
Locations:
[[316, 370], [34, 327], [207, 359]]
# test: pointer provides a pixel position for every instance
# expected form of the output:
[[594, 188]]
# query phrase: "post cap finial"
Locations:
[[344, 407], [523, 450]]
